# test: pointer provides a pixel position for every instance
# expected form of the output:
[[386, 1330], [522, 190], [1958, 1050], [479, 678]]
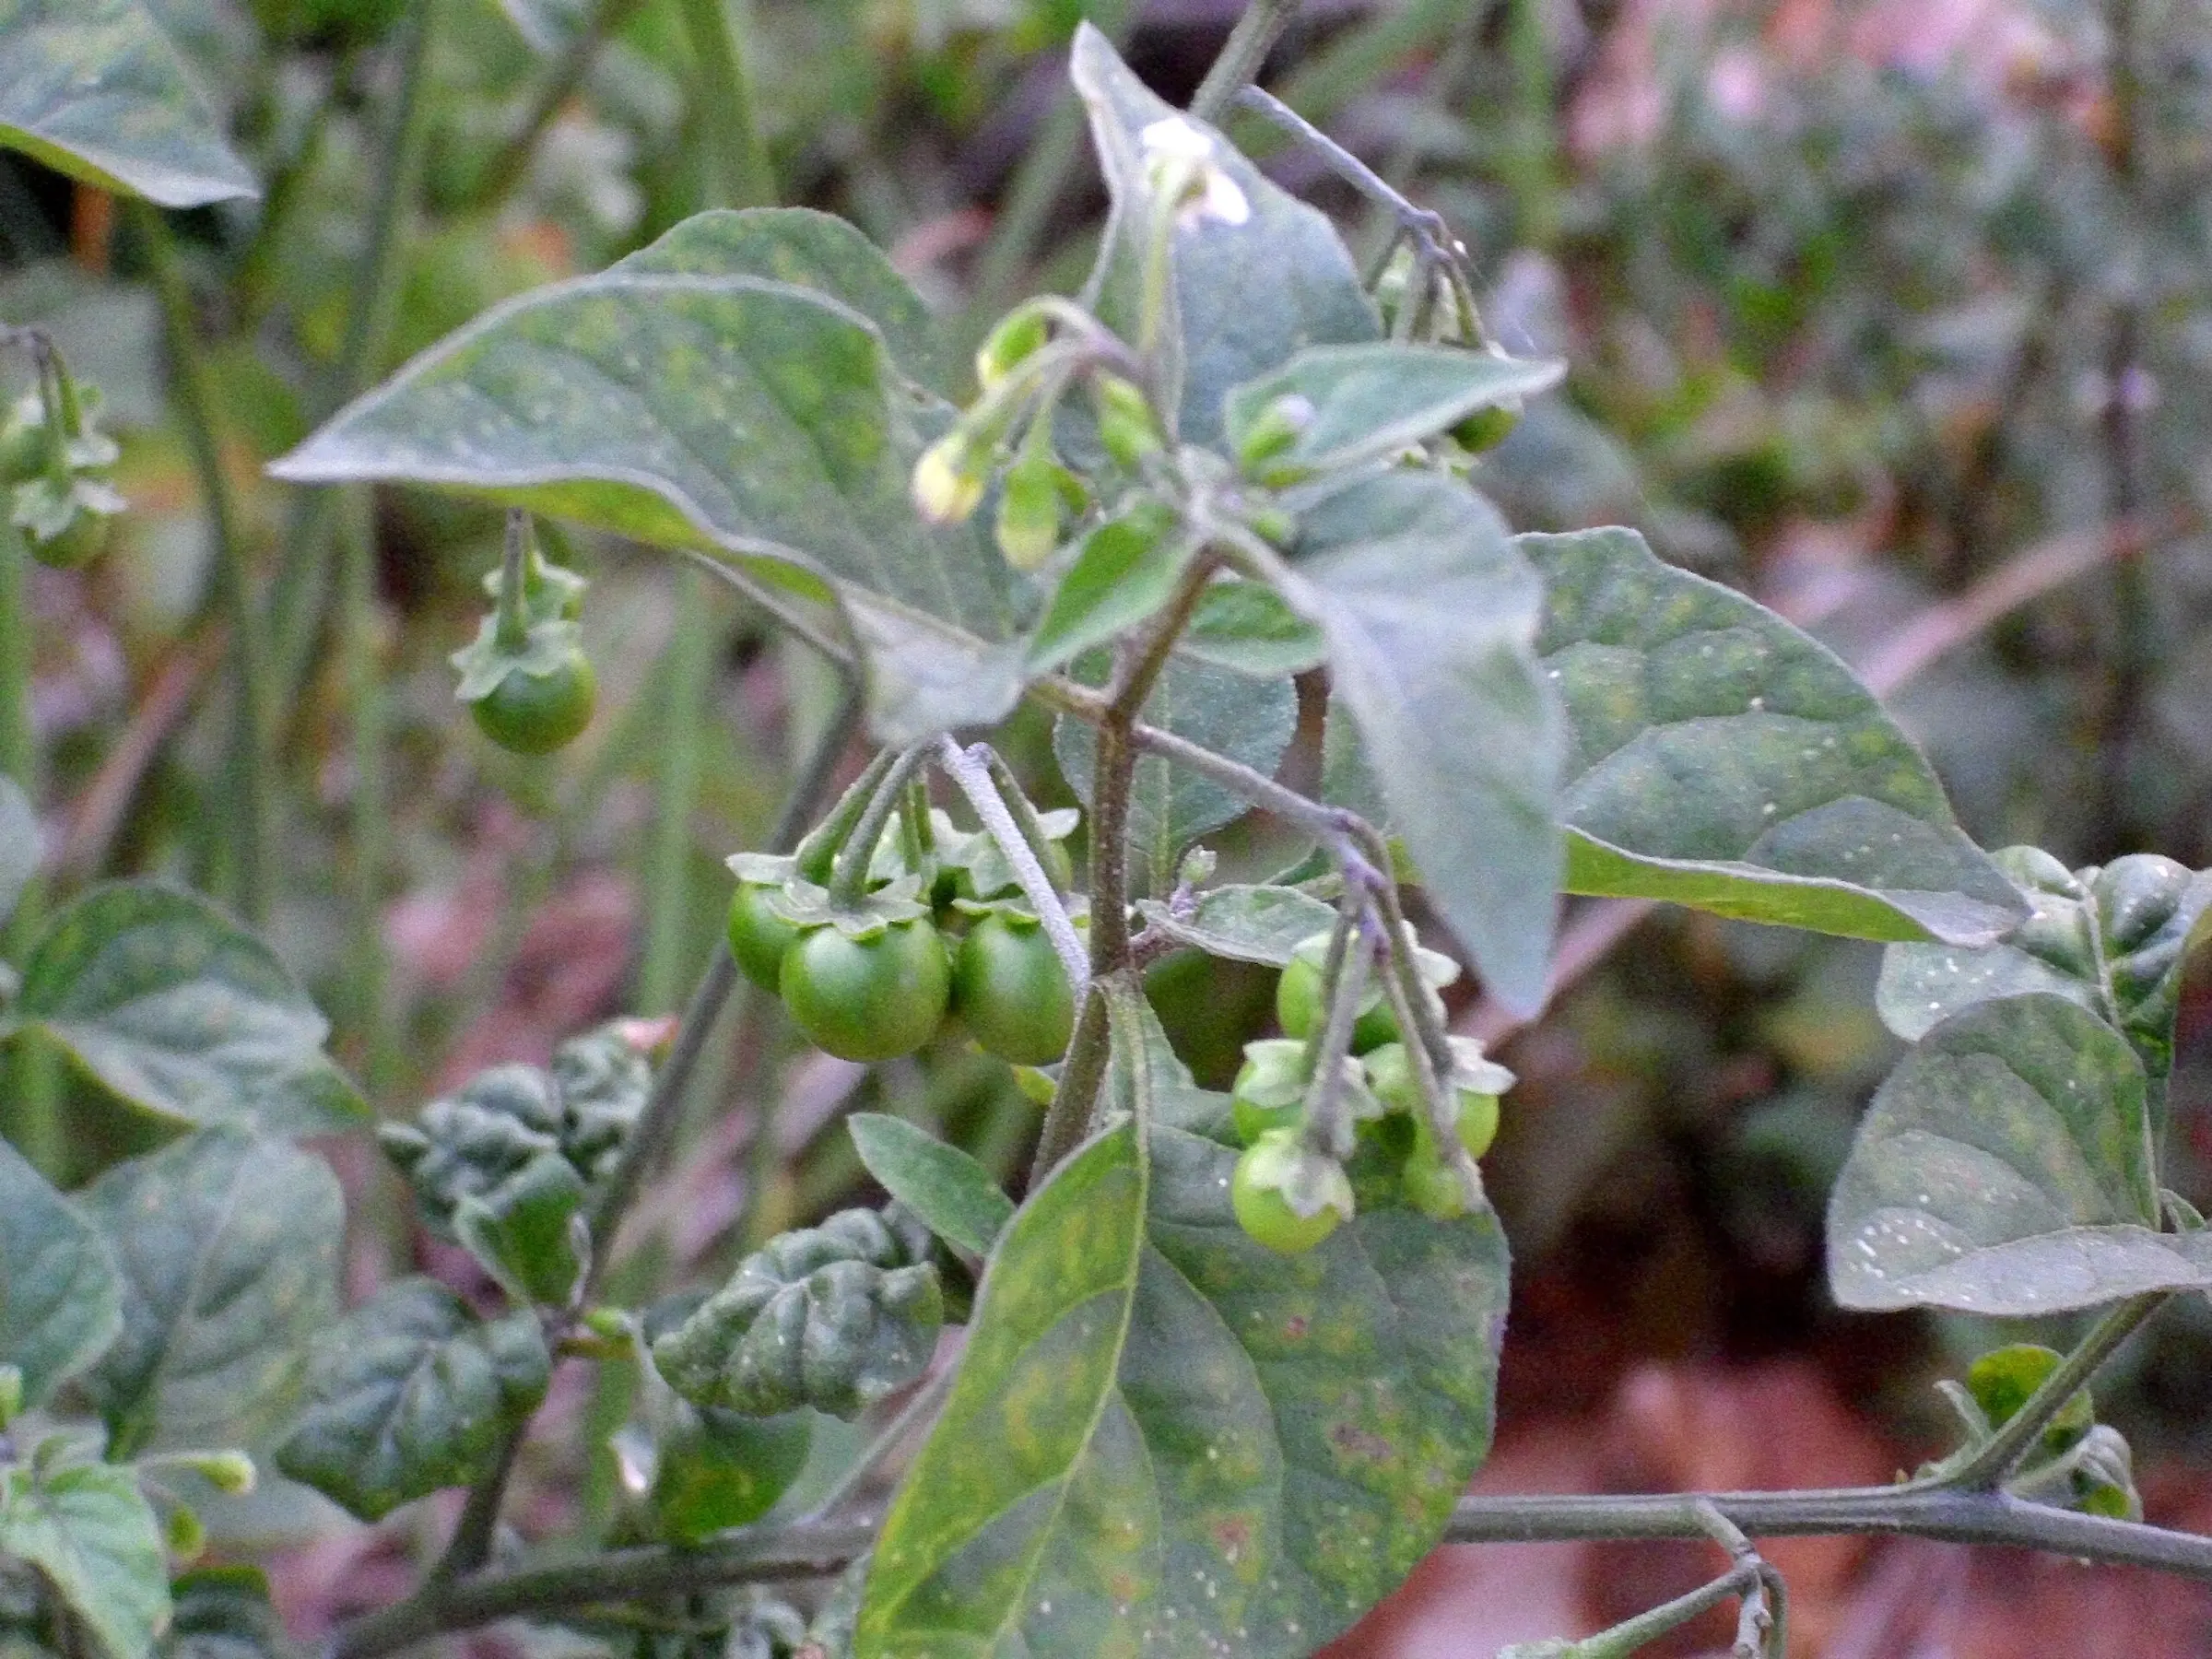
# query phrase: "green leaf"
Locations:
[[835, 1317], [1247, 720], [19, 850], [709, 407], [808, 250], [2004, 1168], [174, 1009], [1246, 296], [1430, 613], [520, 1230], [1722, 759], [89, 1529], [224, 1613], [954, 1194], [1262, 924], [94, 88], [713, 1470], [410, 1393], [229, 1247], [1371, 401], [1194, 1444], [1246, 627], [1126, 570], [2114, 940], [61, 1301]]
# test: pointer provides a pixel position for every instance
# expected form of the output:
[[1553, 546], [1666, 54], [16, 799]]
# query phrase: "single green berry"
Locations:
[[1260, 1191], [1431, 1185], [758, 937], [1270, 1090], [1486, 428], [1390, 1076], [1009, 987], [1302, 1009], [868, 999], [537, 714]]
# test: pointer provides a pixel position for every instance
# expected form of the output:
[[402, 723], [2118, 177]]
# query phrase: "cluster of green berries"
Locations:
[[54, 465], [943, 933], [526, 681], [1288, 1194]]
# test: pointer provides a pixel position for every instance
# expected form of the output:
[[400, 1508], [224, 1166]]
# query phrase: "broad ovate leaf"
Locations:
[[412, 1391], [174, 1009], [2114, 940], [95, 89], [1721, 759], [814, 251], [684, 399], [91, 1533], [1431, 612], [228, 1249], [1247, 720], [1196, 1445], [61, 1299], [1367, 402], [2004, 1168], [1247, 291]]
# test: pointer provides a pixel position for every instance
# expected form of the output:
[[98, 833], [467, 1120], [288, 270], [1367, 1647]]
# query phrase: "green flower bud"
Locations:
[[1280, 425], [1126, 426], [1015, 338], [1029, 513], [949, 486]]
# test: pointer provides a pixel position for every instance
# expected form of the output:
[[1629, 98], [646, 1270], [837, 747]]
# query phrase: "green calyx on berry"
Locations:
[[1288, 1197], [550, 591], [1271, 1088], [538, 706], [1010, 989], [1476, 1083], [1301, 1003], [868, 995]]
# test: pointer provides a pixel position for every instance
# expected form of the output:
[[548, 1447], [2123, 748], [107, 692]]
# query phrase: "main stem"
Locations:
[[303, 581], [246, 791], [1249, 44]]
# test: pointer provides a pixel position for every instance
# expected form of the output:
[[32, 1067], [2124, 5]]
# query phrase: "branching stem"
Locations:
[[1249, 44]]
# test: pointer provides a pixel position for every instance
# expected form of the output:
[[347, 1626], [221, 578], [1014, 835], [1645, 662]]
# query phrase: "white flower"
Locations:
[[1180, 155]]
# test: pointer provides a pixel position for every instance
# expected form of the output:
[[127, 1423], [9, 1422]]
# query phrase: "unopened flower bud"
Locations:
[[948, 486]]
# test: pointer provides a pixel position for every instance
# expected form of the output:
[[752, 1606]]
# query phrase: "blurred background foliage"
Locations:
[[1895, 312]]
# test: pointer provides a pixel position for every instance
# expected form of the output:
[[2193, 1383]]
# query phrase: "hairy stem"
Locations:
[[1618, 1642], [1249, 44], [771, 1552], [1345, 972], [977, 775], [1082, 1075], [245, 766], [692, 653]]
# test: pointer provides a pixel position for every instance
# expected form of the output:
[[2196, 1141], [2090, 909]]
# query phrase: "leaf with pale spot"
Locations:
[[174, 1009], [686, 398], [1721, 759], [1197, 1446], [61, 1301], [228, 1249], [2006, 1167], [94, 89]]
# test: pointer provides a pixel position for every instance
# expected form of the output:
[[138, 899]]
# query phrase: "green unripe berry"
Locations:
[[537, 714], [758, 937], [1275, 1181]]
